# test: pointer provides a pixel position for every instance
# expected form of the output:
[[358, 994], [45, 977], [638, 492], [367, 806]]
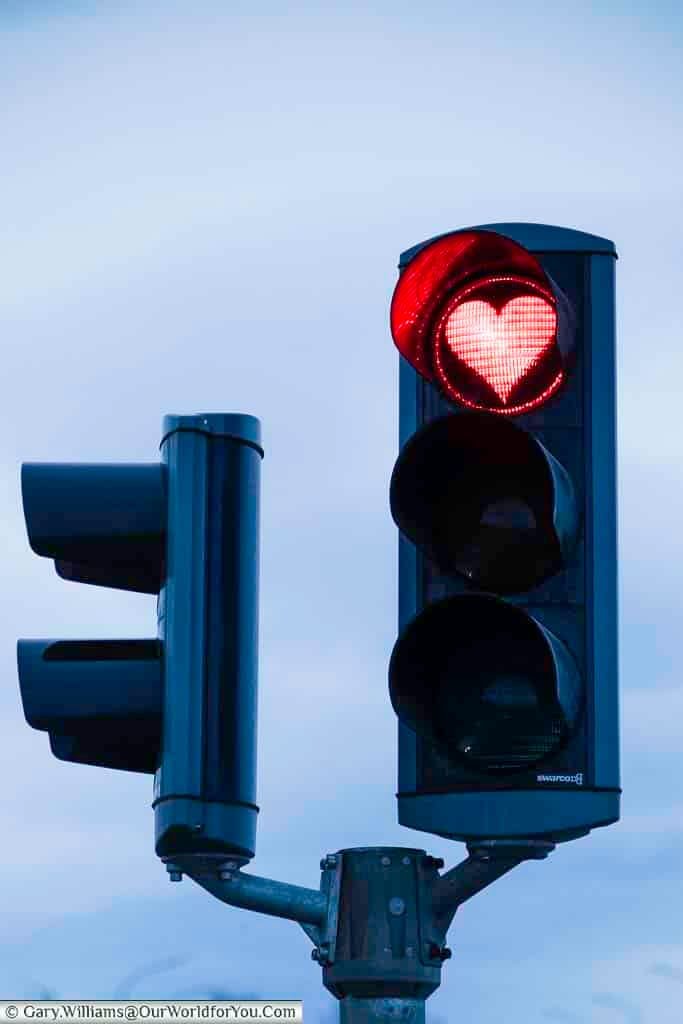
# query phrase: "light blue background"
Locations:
[[201, 209]]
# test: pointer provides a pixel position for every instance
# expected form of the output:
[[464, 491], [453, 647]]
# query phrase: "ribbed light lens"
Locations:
[[494, 345]]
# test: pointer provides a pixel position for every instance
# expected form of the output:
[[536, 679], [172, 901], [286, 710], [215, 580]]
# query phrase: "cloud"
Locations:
[[664, 970], [627, 1011], [652, 717]]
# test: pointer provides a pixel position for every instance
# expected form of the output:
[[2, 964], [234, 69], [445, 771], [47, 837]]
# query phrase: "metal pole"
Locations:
[[381, 1011]]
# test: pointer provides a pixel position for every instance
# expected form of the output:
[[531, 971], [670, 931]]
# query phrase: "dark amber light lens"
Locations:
[[483, 498]]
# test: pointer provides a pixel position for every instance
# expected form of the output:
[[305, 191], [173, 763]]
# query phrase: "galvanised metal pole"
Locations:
[[381, 1011]]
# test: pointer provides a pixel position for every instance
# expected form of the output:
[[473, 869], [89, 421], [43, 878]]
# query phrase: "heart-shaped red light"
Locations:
[[501, 347]]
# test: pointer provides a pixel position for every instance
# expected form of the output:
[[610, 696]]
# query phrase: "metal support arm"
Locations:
[[488, 861], [279, 899], [378, 921]]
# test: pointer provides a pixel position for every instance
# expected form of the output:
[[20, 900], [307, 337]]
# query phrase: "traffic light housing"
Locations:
[[504, 674], [181, 706]]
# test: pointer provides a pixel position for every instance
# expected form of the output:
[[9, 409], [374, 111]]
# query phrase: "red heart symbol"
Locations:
[[501, 347]]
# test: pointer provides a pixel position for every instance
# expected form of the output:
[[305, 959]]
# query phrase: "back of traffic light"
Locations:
[[504, 673], [182, 706]]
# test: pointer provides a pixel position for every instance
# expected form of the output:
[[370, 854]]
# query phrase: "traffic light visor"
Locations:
[[100, 700], [476, 313], [102, 524]]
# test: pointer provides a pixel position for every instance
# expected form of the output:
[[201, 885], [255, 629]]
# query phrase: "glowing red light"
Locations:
[[501, 346], [477, 314], [501, 341]]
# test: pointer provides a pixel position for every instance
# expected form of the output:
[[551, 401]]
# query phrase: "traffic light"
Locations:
[[181, 706], [504, 674]]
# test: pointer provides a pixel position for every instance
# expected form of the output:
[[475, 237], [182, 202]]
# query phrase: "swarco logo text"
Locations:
[[576, 779]]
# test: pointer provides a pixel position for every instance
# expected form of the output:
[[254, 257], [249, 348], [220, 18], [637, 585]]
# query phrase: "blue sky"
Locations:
[[202, 207]]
